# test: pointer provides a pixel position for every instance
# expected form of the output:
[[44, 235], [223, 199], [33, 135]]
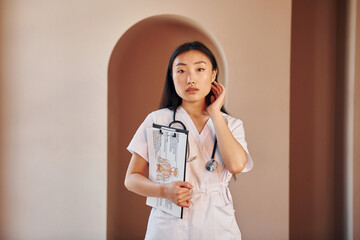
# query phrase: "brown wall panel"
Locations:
[[312, 120]]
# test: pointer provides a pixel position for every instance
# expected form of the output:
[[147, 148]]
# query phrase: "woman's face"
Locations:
[[193, 75]]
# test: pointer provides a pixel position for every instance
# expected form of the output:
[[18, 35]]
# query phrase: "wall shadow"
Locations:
[[136, 77], [340, 120]]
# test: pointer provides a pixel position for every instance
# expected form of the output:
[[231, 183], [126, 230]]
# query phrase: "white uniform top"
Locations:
[[211, 215]]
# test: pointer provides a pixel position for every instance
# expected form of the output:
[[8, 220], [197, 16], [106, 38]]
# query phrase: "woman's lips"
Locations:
[[192, 90]]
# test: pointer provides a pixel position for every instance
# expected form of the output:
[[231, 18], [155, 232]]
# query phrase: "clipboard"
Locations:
[[167, 154]]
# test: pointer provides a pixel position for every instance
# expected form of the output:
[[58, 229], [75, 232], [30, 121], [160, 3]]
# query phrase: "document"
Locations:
[[167, 148]]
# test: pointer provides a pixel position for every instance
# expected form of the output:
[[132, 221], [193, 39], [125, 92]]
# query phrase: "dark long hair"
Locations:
[[170, 99]]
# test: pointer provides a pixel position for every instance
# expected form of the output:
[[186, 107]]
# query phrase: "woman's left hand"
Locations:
[[218, 101]]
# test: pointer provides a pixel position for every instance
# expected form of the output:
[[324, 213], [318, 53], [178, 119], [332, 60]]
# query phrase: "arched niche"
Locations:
[[136, 77]]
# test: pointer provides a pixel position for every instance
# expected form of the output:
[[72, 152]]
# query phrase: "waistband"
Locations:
[[221, 188]]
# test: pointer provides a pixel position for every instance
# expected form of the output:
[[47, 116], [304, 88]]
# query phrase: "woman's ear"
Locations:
[[213, 76]]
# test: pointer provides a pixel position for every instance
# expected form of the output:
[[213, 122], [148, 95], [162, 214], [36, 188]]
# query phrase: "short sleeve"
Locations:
[[239, 134], [138, 143]]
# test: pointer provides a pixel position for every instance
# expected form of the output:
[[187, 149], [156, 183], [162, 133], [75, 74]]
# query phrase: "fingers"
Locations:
[[218, 98], [215, 91], [184, 197], [217, 88], [186, 204], [184, 200], [184, 184], [183, 194]]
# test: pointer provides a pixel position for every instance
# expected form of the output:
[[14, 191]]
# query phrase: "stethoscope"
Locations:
[[210, 165]]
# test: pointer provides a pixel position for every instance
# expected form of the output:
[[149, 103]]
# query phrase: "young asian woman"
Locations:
[[194, 94]]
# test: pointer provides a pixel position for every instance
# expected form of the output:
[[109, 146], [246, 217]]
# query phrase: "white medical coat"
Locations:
[[211, 215]]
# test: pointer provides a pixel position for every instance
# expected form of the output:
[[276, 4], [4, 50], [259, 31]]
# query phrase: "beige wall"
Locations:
[[53, 159], [55, 58]]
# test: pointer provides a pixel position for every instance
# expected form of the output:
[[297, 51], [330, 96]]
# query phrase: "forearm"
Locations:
[[232, 153], [139, 184], [178, 192]]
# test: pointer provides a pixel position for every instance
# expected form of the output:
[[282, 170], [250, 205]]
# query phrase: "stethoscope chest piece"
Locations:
[[211, 165]]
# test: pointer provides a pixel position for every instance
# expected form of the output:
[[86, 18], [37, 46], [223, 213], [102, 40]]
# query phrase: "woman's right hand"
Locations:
[[179, 193]]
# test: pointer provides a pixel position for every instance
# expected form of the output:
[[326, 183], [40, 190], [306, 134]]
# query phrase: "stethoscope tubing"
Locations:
[[183, 125]]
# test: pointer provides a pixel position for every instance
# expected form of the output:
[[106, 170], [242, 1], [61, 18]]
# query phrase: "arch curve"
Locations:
[[136, 77]]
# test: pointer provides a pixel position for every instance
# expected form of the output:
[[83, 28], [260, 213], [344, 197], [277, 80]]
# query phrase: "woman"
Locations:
[[192, 91]]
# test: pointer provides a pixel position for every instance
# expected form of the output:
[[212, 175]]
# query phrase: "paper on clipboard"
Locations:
[[166, 154]]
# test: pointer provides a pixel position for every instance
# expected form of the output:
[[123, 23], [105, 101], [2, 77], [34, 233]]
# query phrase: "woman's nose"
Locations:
[[189, 78]]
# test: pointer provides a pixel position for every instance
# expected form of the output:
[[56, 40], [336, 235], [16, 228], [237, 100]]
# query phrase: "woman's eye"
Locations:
[[201, 69], [181, 71]]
